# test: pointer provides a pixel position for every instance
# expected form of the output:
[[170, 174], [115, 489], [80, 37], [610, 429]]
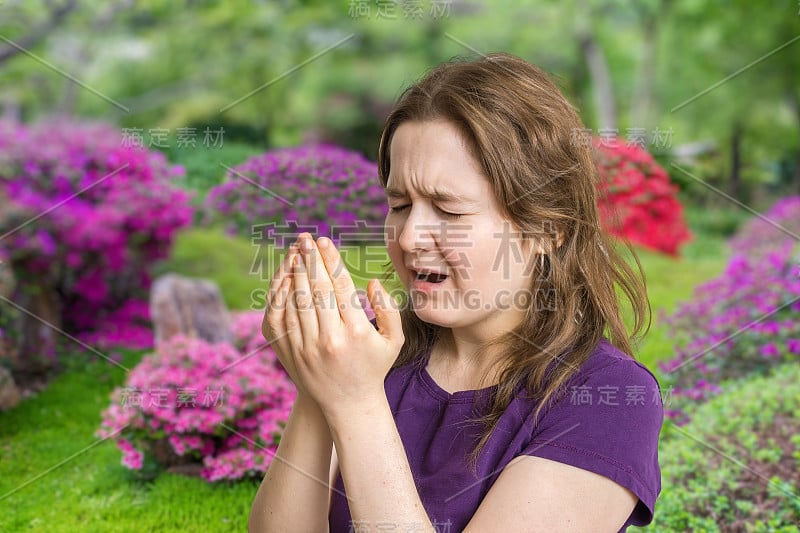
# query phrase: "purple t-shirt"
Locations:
[[607, 421]]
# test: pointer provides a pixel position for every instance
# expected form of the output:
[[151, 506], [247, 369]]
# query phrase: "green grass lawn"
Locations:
[[671, 281], [55, 476]]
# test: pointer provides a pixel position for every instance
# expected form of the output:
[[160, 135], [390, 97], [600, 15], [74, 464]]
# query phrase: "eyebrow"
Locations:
[[439, 196]]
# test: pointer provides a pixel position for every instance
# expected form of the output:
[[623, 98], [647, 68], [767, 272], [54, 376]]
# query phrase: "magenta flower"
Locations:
[[770, 350], [112, 211], [192, 394], [725, 323], [324, 189]]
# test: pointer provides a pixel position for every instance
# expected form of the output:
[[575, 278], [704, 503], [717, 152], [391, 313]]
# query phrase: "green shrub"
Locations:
[[203, 164], [736, 465], [718, 221]]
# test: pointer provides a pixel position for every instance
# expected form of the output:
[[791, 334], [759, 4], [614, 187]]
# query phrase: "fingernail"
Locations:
[[323, 242], [305, 245]]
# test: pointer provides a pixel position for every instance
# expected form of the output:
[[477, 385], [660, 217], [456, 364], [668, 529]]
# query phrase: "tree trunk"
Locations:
[[794, 103], [39, 326], [605, 107], [796, 177], [39, 32], [644, 99], [735, 183]]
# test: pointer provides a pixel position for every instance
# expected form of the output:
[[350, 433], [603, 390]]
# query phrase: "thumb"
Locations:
[[387, 312]]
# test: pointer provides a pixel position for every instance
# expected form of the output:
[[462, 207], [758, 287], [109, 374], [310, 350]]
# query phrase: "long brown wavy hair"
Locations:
[[522, 131]]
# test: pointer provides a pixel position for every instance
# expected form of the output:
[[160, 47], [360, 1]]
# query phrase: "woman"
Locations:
[[489, 399]]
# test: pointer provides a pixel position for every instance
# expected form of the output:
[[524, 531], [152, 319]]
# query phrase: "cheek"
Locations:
[[392, 227], [395, 253]]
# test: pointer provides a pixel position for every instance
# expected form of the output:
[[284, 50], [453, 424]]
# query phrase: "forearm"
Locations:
[[294, 493], [375, 470]]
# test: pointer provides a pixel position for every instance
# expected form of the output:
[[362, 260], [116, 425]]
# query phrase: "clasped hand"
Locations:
[[320, 333]]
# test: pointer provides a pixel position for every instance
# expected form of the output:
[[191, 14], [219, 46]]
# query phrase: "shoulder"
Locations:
[[608, 360], [612, 396], [607, 421], [612, 377]]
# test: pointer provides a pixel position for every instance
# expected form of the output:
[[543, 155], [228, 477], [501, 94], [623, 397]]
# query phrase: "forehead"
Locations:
[[431, 159]]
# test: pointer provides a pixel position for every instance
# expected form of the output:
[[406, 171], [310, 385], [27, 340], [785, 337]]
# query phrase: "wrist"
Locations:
[[357, 412], [308, 410]]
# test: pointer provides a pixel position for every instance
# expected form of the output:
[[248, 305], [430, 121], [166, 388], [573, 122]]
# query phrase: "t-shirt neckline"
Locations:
[[462, 396]]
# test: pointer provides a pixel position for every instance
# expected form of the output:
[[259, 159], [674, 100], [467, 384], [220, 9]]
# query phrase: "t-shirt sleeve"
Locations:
[[608, 422]]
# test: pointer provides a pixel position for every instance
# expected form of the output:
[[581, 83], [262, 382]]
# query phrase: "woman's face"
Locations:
[[444, 219]]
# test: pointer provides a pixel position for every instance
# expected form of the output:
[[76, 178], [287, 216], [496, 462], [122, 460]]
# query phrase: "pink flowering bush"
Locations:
[[129, 326], [219, 405], [744, 322], [85, 217], [761, 236], [637, 200], [320, 186]]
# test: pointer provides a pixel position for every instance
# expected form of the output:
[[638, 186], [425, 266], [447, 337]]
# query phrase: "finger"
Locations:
[[286, 354], [387, 312], [329, 321], [343, 287], [278, 308], [285, 269], [293, 328], [304, 303], [272, 326]]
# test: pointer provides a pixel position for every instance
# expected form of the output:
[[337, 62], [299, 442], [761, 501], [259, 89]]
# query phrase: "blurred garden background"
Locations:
[[156, 158]]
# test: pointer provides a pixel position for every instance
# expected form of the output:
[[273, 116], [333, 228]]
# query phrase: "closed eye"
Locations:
[[445, 213]]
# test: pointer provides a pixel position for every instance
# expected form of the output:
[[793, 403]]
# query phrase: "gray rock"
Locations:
[[191, 307], [9, 393]]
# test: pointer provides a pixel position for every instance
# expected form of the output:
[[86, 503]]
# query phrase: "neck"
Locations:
[[460, 356]]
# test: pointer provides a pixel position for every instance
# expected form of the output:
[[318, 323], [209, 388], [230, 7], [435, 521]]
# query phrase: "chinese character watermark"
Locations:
[[658, 138], [614, 395], [164, 397], [161, 138], [395, 9]]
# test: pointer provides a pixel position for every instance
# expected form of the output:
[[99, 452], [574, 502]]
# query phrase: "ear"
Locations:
[[559, 239], [532, 246], [553, 234]]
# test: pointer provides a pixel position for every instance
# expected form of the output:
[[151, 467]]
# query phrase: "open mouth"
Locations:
[[432, 277]]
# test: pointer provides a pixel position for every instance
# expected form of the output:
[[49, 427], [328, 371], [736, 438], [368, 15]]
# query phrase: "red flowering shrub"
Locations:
[[637, 200], [219, 405], [84, 217]]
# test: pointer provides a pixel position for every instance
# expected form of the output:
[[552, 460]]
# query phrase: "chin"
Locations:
[[437, 317]]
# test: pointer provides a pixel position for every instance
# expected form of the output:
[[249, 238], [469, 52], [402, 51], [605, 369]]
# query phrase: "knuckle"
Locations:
[[322, 297], [332, 345], [272, 322], [268, 325], [340, 283], [360, 331], [303, 299], [400, 342]]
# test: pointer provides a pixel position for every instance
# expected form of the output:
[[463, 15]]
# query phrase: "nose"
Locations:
[[417, 232]]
